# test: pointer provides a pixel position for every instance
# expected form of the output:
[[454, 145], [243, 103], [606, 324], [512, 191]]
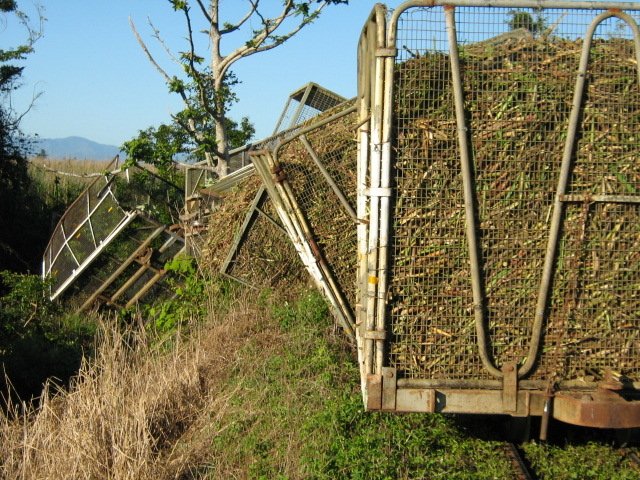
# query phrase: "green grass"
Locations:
[[593, 461], [298, 414], [269, 389]]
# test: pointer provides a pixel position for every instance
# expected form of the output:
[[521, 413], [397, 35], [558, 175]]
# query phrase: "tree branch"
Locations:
[[160, 40], [257, 43], [243, 20], [147, 52], [204, 12], [16, 121]]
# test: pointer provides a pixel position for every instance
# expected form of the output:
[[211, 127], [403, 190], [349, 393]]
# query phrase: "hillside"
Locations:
[[79, 148], [266, 388]]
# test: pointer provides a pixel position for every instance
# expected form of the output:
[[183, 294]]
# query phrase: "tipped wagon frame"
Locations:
[[498, 198]]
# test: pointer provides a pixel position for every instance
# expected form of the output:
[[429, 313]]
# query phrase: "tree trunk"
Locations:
[[222, 140], [222, 168]]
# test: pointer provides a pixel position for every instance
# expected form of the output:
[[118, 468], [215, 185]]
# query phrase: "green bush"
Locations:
[[189, 303], [39, 341]]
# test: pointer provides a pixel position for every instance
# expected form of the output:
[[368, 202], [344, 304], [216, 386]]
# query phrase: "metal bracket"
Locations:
[[279, 174], [510, 387], [375, 335], [374, 392], [386, 52], [389, 387], [378, 192]]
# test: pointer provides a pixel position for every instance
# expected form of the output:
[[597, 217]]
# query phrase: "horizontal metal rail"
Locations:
[[588, 198]]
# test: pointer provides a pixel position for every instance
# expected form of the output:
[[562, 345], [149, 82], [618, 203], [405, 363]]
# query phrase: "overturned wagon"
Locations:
[[499, 207]]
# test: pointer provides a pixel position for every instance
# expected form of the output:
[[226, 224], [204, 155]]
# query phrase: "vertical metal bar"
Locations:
[[468, 186], [242, 232], [563, 182], [341, 197], [366, 87], [375, 159], [388, 65], [301, 105]]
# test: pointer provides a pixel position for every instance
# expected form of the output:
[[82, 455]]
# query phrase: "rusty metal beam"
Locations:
[[147, 286], [121, 268], [597, 410]]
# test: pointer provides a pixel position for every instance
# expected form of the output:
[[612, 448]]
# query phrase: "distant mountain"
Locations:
[[75, 147]]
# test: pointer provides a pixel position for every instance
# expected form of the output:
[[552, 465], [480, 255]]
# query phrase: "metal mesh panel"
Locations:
[[305, 104], [225, 222], [518, 89], [265, 257], [333, 228], [96, 236], [105, 218], [244, 239], [86, 223], [595, 313]]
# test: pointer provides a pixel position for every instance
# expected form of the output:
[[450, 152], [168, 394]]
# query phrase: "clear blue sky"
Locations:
[[96, 82]]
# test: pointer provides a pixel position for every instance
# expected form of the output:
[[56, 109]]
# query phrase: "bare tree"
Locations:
[[208, 89]]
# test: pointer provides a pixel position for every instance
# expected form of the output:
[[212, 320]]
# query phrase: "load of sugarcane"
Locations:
[[262, 255], [518, 97]]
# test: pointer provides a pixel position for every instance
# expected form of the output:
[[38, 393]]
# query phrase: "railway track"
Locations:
[[523, 471], [520, 466], [632, 456]]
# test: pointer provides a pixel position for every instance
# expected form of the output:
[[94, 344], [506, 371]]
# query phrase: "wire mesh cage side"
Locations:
[[299, 233], [104, 216], [518, 82], [262, 255], [304, 104]]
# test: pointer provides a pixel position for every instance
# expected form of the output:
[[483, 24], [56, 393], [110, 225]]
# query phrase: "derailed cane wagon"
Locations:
[[499, 207]]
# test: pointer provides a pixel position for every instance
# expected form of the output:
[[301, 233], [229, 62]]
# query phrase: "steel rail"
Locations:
[[510, 4], [522, 470]]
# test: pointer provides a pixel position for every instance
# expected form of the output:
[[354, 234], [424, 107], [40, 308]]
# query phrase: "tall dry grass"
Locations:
[[133, 408], [65, 177], [70, 165]]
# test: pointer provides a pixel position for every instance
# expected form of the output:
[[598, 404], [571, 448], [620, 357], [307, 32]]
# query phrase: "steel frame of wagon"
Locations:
[[582, 403]]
